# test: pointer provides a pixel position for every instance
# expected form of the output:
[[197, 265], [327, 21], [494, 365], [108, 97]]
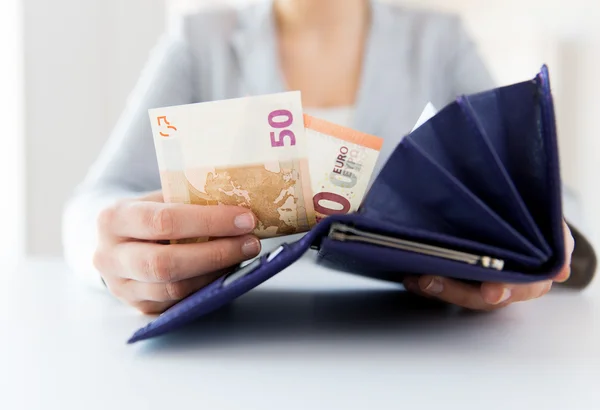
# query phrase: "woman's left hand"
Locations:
[[489, 296]]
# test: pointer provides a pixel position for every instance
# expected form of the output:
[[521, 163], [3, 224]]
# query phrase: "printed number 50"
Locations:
[[278, 140]]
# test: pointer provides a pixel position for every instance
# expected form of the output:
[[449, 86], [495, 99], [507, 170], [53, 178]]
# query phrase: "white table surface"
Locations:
[[308, 339]]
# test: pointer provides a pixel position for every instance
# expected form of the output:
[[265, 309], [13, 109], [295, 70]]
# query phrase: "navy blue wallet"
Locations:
[[473, 194]]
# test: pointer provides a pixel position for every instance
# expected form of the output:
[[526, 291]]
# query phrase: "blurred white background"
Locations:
[[12, 158], [66, 76]]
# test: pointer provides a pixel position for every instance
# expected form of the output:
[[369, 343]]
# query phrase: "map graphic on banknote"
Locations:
[[274, 192]]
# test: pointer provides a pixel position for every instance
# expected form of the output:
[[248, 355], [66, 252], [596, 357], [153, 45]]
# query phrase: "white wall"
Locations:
[[11, 113], [82, 59]]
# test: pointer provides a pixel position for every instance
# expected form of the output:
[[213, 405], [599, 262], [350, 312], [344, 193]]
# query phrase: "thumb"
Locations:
[[565, 273]]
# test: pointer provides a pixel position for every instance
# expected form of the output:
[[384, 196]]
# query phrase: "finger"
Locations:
[[152, 308], [165, 293], [157, 221], [457, 293], [411, 284], [564, 275], [153, 263], [115, 286], [565, 272], [156, 298], [497, 293]]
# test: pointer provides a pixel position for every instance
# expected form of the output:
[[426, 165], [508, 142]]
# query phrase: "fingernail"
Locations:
[[245, 222], [506, 293], [434, 286], [564, 275], [251, 247]]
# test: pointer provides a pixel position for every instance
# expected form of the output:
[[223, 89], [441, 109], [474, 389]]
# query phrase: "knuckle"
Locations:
[[105, 219], [176, 291], [468, 303], [217, 256], [117, 289], [119, 292], [162, 222], [158, 266], [99, 260], [103, 262], [205, 220], [466, 300]]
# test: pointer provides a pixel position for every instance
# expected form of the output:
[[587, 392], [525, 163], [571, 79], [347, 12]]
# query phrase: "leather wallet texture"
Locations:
[[473, 194]]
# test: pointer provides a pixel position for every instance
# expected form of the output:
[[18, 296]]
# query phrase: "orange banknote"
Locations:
[[341, 162]]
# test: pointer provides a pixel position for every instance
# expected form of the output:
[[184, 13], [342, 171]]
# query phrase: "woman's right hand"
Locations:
[[151, 276]]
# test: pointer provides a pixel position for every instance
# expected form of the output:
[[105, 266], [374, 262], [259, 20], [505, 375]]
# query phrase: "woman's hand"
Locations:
[[151, 276], [488, 296]]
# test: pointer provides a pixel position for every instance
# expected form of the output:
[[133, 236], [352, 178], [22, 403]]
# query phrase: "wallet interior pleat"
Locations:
[[429, 198], [457, 142], [511, 120]]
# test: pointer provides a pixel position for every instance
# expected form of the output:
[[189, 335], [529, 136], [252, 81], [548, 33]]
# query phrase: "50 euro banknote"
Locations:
[[252, 152]]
